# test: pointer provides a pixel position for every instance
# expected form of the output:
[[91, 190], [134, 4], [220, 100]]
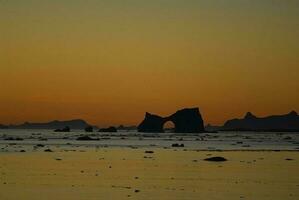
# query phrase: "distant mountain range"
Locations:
[[73, 124], [288, 122]]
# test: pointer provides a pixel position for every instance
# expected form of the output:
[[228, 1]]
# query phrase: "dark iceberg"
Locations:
[[288, 122], [89, 129], [109, 129], [187, 120], [65, 129], [73, 124]]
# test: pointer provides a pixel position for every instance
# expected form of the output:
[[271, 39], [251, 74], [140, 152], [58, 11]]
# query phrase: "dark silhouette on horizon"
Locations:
[[109, 129], [72, 124], [89, 129], [126, 128], [187, 120], [65, 129], [3, 126], [287, 122]]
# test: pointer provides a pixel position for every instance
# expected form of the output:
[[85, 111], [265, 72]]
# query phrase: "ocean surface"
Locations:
[[15, 140]]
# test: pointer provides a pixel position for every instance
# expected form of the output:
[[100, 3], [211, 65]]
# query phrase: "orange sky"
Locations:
[[110, 61]]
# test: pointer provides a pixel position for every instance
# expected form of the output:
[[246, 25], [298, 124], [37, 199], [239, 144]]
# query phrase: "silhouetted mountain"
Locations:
[[72, 124], [288, 122]]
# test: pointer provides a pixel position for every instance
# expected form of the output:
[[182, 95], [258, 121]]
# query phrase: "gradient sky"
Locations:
[[109, 61]]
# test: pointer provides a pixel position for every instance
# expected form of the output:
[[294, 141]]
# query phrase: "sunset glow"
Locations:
[[109, 62]]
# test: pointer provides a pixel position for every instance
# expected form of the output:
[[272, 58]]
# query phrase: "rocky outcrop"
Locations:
[[187, 120], [86, 138], [65, 129], [126, 128], [73, 124], [110, 129], [216, 159], [288, 122], [152, 124], [89, 129]]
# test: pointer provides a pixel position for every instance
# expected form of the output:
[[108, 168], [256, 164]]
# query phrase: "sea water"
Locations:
[[13, 140]]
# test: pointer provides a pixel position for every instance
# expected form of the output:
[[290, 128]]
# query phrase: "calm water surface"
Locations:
[[14, 140]]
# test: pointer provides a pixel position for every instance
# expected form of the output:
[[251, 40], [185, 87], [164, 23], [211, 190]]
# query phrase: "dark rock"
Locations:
[[216, 159], [89, 129], [12, 138], [186, 120], [152, 124], [73, 124], [178, 145], [148, 152], [48, 150], [85, 138], [287, 138], [111, 129], [287, 122], [126, 128], [65, 129], [22, 151], [289, 159]]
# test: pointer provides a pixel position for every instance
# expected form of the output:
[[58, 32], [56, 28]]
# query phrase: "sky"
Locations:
[[110, 61]]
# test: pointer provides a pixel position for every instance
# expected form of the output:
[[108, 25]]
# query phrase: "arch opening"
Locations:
[[169, 127]]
